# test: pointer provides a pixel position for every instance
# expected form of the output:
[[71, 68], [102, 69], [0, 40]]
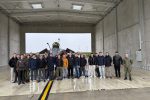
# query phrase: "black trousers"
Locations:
[[51, 74], [70, 71], [117, 70], [16, 75], [82, 70], [21, 76]]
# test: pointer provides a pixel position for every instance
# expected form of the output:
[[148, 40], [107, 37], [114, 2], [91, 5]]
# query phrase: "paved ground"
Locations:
[[128, 94], [80, 89]]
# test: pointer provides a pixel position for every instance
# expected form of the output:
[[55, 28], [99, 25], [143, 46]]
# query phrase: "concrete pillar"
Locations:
[[142, 46], [93, 42], [22, 42], [116, 28]]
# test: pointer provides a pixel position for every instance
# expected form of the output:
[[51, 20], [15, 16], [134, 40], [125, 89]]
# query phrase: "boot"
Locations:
[[130, 79], [125, 78]]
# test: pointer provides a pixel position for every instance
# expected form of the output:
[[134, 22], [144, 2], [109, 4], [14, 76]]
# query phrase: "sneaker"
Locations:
[[100, 77], [104, 77], [14, 82]]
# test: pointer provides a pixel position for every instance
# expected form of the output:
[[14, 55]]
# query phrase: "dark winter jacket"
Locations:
[[42, 63], [21, 64], [108, 61], [92, 60], [13, 62], [83, 62], [76, 61], [101, 60], [117, 60], [50, 63], [59, 63], [55, 59], [70, 61], [96, 60], [33, 64]]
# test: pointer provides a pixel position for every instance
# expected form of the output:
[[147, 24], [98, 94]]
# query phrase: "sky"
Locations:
[[79, 42]]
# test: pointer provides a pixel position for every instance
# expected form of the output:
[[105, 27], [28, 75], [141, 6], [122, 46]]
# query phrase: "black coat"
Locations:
[[96, 60], [70, 61], [42, 63], [50, 63], [92, 60], [13, 62], [108, 61], [33, 64], [117, 60], [83, 62], [59, 62], [101, 60]]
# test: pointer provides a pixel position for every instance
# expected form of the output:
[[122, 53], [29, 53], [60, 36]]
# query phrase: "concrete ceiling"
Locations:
[[58, 10]]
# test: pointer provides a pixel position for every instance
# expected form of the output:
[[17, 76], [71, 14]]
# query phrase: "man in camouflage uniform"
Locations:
[[127, 62]]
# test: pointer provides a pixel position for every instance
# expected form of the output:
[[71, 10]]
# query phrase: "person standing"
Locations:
[[42, 65], [108, 62], [117, 61], [16, 72], [26, 72], [33, 66], [127, 63], [65, 66], [46, 68], [83, 63], [96, 64], [50, 64], [12, 64], [70, 65], [59, 68], [77, 65], [21, 67], [101, 64], [91, 62]]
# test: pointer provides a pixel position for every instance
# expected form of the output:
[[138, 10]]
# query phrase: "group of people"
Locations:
[[32, 67]]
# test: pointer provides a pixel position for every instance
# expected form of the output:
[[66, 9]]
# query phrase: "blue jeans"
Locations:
[[77, 71], [102, 70], [33, 74]]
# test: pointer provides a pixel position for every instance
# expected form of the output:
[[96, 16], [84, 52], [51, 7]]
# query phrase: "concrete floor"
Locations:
[[80, 89], [126, 94]]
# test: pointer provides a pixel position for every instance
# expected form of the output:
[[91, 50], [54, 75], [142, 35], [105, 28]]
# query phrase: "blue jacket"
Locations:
[[33, 64], [101, 60], [76, 61]]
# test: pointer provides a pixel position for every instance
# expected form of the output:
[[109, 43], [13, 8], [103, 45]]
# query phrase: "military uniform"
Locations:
[[127, 62]]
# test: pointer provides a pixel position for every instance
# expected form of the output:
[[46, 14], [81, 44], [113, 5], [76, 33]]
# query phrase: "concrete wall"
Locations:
[[110, 39], [122, 27], [55, 28], [9, 38], [128, 28], [146, 36], [99, 37], [14, 37], [3, 39], [106, 38]]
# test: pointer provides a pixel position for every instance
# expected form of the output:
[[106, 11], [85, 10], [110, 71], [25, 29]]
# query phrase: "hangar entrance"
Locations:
[[78, 42]]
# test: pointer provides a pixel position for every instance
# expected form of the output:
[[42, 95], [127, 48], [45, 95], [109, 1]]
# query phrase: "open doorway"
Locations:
[[78, 42]]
